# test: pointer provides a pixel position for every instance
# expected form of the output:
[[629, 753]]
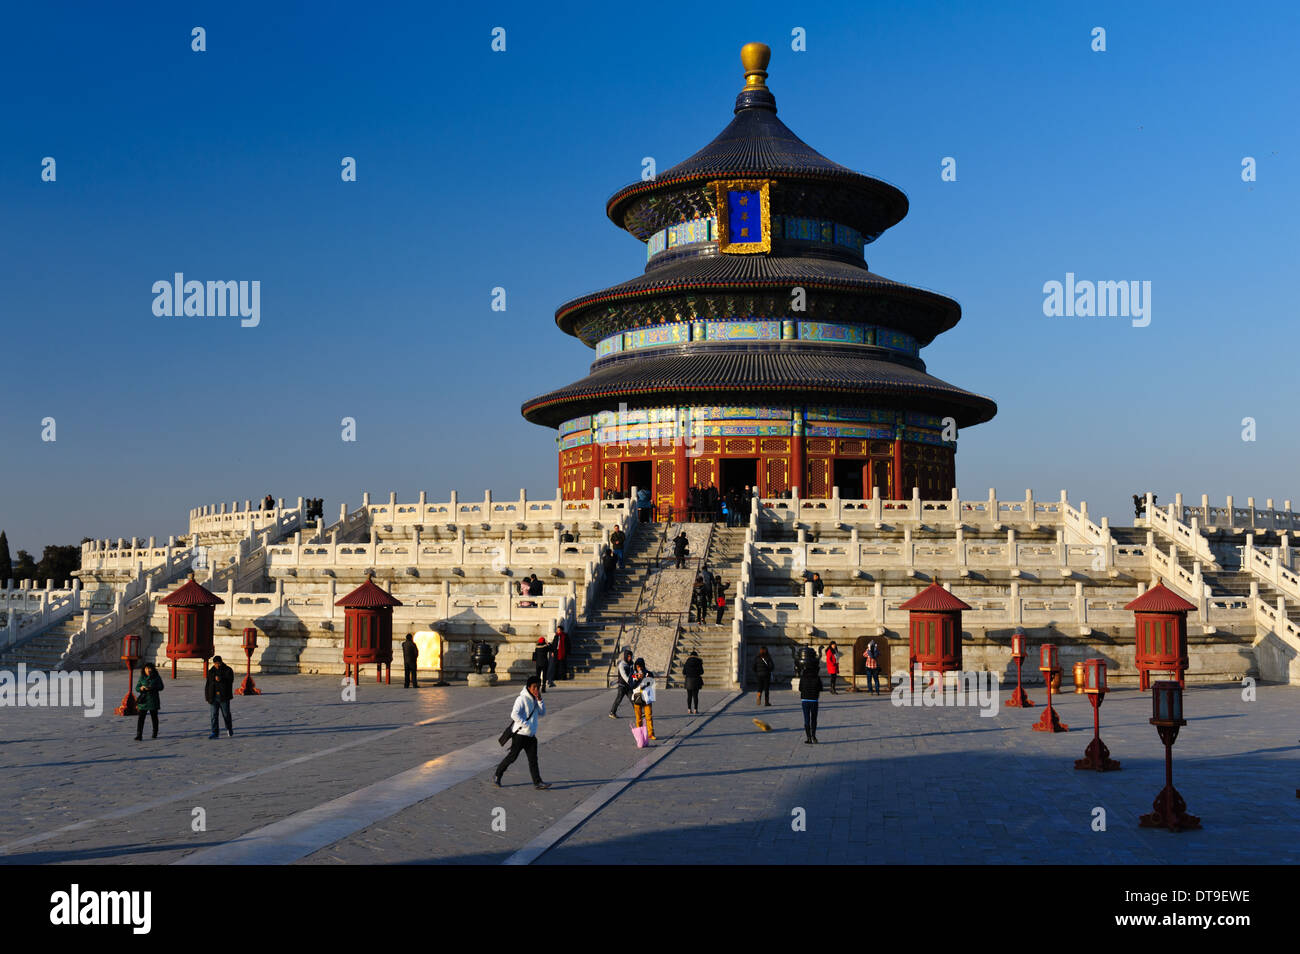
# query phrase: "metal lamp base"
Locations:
[[1050, 722], [1097, 757], [1169, 811]]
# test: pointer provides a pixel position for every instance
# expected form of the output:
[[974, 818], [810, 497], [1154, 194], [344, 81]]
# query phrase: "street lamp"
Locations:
[[1096, 756], [1048, 666], [1018, 698], [1168, 810], [247, 688], [130, 655]]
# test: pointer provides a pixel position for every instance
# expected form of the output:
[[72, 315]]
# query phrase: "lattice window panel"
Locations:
[[712, 445], [664, 478], [740, 445], [611, 477], [853, 448], [821, 445], [777, 480], [775, 445], [702, 473], [818, 480]]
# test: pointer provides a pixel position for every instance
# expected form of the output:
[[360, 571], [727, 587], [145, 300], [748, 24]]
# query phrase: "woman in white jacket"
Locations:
[[528, 708], [643, 697]]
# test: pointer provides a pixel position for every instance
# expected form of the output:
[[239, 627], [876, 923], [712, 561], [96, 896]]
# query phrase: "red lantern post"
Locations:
[[1096, 756], [1048, 666], [1168, 810], [1018, 698], [247, 687], [130, 655]]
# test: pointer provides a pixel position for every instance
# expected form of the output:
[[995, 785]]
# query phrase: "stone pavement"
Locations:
[[886, 785]]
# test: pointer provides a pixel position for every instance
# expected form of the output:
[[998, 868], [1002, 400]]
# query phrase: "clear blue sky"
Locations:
[[478, 169]]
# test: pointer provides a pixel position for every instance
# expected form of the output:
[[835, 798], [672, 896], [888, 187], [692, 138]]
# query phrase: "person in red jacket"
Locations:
[[833, 664]]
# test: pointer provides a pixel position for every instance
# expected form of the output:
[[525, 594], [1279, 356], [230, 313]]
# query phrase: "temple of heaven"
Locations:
[[758, 349]]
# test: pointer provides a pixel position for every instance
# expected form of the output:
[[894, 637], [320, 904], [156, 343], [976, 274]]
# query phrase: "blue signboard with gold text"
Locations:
[[744, 216]]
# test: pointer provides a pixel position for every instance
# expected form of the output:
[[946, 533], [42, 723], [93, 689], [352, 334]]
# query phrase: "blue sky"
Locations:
[[479, 169]]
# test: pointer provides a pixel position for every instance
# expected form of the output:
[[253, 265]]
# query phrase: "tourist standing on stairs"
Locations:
[[618, 540], [810, 687], [147, 703], [693, 675], [410, 655], [763, 667], [528, 708], [833, 664], [219, 689], [681, 549], [643, 698], [625, 678], [719, 596], [699, 602]]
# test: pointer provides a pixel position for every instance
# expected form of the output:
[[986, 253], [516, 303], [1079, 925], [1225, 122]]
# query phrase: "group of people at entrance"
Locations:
[[218, 691], [709, 505]]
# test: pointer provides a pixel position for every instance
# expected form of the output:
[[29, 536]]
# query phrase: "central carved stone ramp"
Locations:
[[711, 640], [595, 637]]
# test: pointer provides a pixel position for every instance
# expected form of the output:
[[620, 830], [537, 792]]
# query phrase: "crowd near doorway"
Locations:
[[737, 473]]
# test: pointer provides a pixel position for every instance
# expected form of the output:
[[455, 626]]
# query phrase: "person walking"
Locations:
[[625, 677], [833, 664], [763, 667], [410, 655], [719, 597], [525, 713], [541, 661], [147, 703], [871, 658], [643, 699], [681, 549], [219, 689], [810, 687], [693, 675], [609, 563], [698, 600]]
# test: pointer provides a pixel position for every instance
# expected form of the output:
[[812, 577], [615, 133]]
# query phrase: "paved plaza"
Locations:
[[404, 776]]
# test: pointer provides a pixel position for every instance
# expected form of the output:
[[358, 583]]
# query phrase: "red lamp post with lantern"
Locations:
[[247, 687], [1096, 756], [1018, 698], [1168, 810], [1048, 665], [130, 655]]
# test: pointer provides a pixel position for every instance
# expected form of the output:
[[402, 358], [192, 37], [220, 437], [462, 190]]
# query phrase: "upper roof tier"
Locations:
[[755, 144]]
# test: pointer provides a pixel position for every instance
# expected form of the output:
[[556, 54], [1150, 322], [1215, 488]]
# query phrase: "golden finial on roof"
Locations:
[[754, 57]]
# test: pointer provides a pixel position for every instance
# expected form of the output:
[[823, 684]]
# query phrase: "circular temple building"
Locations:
[[758, 349]]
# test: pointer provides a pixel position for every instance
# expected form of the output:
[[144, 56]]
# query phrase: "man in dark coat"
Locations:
[[541, 660], [693, 674], [219, 689], [410, 655], [681, 548]]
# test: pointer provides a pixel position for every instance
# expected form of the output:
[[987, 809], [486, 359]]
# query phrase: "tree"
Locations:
[[57, 563], [25, 566], [6, 564]]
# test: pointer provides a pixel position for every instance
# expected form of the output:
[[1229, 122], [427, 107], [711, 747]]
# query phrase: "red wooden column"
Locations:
[[1160, 617], [899, 493], [190, 612], [799, 455]]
